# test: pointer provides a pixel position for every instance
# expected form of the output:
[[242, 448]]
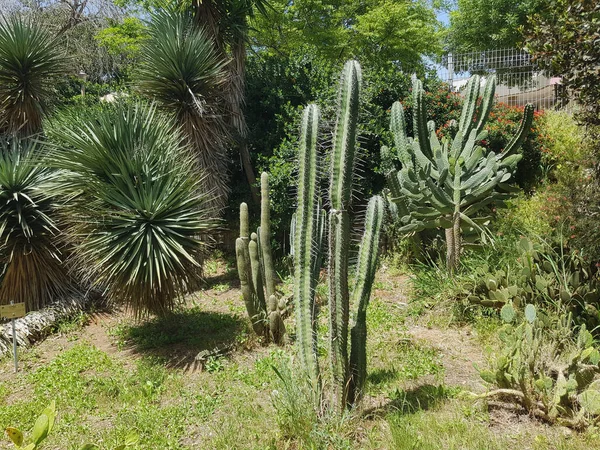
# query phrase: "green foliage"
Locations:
[[43, 425], [136, 211], [562, 38], [30, 62], [123, 38], [547, 367], [256, 271], [182, 70], [541, 276], [378, 32], [30, 251], [445, 185], [481, 25], [277, 88], [349, 373]]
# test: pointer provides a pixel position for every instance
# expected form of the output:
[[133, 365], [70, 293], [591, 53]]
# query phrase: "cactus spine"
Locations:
[[256, 272], [309, 226], [444, 184]]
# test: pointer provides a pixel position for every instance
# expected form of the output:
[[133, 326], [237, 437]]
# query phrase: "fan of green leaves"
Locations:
[[181, 70], [30, 60], [135, 208], [30, 260]]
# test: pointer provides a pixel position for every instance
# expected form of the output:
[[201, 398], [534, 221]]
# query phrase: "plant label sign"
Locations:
[[13, 311]]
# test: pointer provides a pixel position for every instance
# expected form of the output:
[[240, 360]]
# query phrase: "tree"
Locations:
[[374, 31], [485, 25], [564, 40], [182, 70]]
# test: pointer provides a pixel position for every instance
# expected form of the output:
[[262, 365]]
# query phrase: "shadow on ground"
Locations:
[[178, 338], [421, 398]]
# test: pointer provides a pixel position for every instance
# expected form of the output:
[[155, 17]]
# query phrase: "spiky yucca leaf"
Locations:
[[30, 60], [181, 70], [30, 260], [136, 210]]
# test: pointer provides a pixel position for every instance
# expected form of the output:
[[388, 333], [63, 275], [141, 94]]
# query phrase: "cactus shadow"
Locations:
[[411, 401], [177, 339]]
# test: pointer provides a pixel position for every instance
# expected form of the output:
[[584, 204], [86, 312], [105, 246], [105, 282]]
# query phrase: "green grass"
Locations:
[[239, 402]]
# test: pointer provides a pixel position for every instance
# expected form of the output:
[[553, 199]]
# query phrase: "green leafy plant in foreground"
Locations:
[[348, 370], [256, 271], [136, 212], [547, 367], [43, 426], [447, 184]]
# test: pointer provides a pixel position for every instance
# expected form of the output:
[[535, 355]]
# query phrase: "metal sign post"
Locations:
[[13, 312]]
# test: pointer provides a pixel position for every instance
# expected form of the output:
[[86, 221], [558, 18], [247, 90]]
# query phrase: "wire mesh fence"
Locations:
[[518, 80]]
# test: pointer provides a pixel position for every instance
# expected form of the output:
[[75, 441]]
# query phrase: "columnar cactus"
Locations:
[[305, 248], [348, 373], [444, 185], [256, 272]]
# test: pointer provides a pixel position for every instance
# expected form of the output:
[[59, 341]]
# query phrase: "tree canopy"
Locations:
[[373, 31], [490, 24]]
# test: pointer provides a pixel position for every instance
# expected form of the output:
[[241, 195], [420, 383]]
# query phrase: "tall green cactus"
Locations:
[[309, 226], [445, 184], [256, 272], [305, 250], [340, 195]]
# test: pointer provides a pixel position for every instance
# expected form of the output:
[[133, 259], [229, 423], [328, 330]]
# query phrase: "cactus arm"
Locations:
[[522, 132], [398, 129], [247, 288], [486, 104], [340, 195], [420, 127], [304, 243], [244, 227], [469, 107], [365, 274], [257, 279], [265, 236]]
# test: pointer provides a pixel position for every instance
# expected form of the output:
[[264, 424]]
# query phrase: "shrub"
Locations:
[[30, 61], [30, 254], [135, 210]]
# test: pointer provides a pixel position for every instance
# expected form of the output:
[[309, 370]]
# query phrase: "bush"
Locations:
[[134, 208], [30, 251]]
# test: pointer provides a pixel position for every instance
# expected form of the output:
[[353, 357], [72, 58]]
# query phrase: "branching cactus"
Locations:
[[447, 184], [256, 271], [349, 373]]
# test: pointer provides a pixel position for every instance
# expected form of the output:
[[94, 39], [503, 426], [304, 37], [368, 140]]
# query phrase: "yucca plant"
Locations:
[[30, 60], [136, 212], [182, 71], [30, 258]]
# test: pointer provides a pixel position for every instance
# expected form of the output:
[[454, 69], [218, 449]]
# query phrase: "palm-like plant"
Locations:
[[136, 212], [30, 259], [182, 71], [30, 59]]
